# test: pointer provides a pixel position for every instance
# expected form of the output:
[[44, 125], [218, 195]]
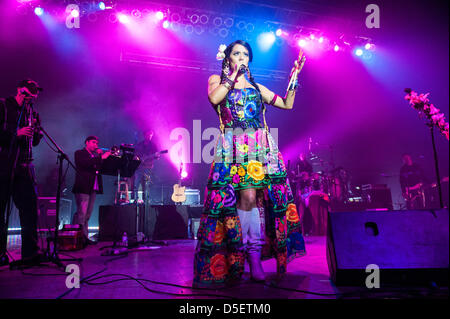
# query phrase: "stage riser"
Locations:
[[157, 222]]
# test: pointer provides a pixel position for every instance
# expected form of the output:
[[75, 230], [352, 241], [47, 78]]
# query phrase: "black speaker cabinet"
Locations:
[[168, 222], [114, 220], [408, 247], [47, 212]]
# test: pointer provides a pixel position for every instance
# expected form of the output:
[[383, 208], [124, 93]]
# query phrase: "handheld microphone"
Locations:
[[242, 69]]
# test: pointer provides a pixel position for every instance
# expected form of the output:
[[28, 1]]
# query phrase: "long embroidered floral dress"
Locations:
[[246, 156]]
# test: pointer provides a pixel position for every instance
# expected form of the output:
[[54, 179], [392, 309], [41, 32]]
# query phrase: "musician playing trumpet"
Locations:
[[19, 132], [88, 182]]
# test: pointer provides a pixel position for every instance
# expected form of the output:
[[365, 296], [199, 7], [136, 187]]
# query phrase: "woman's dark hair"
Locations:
[[250, 55]]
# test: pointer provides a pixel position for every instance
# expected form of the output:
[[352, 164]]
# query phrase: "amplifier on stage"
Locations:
[[377, 196], [47, 212], [192, 196], [70, 237]]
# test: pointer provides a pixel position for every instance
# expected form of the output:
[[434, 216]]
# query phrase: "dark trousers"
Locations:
[[24, 195], [85, 206]]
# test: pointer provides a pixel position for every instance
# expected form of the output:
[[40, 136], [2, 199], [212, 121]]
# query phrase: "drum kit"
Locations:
[[317, 189], [332, 184]]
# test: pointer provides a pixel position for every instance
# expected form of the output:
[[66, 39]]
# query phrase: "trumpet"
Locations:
[[115, 150]]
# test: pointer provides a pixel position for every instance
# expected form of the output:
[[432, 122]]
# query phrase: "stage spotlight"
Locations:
[[228, 22], [102, 5], [302, 43], [204, 19], [175, 17], [165, 24], [336, 48], [270, 38], [112, 18], [312, 36], [217, 21], [124, 19], [266, 40], [321, 40], [369, 46], [75, 13], [38, 11], [136, 13], [184, 174], [159, 15], [194, 18], [241, 25], [359, 52], [279, 32], [223, 32], [188, 28]]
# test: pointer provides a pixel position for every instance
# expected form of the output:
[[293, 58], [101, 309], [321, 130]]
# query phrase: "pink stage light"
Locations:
[[136, 13], [124, 19], [336, 48], [321, 40], [165, 24], [75, 13], [279, 32], [184, 174], [38, 11], [302, 43], [312, 36], [369, 46], [358, 52], [159, 15]]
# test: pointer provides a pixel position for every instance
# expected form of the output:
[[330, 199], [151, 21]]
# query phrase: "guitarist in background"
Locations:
[[412, 181], [147, 152]]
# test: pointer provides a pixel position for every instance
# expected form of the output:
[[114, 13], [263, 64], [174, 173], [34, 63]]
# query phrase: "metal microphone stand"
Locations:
[[436, 165], [53, 256]]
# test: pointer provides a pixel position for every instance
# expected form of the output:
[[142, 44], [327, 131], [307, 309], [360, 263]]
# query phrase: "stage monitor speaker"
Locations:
[[408, 247], [47, 212], [114, 220]]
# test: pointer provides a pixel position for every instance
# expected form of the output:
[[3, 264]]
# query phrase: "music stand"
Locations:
[[122, 166]]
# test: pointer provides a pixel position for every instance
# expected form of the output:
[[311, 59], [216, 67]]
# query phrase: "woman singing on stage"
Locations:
[[249, 211]]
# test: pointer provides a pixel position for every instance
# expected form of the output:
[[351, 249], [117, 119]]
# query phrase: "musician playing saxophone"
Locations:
[[19, 132]]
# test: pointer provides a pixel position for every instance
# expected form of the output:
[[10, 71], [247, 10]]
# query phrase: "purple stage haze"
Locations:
[[353, 109]]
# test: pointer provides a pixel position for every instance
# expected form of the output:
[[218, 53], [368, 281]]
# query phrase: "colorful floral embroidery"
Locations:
[[247, 159]]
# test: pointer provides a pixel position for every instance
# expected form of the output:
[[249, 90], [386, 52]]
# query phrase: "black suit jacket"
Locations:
[[9, 142], [88, 168]]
